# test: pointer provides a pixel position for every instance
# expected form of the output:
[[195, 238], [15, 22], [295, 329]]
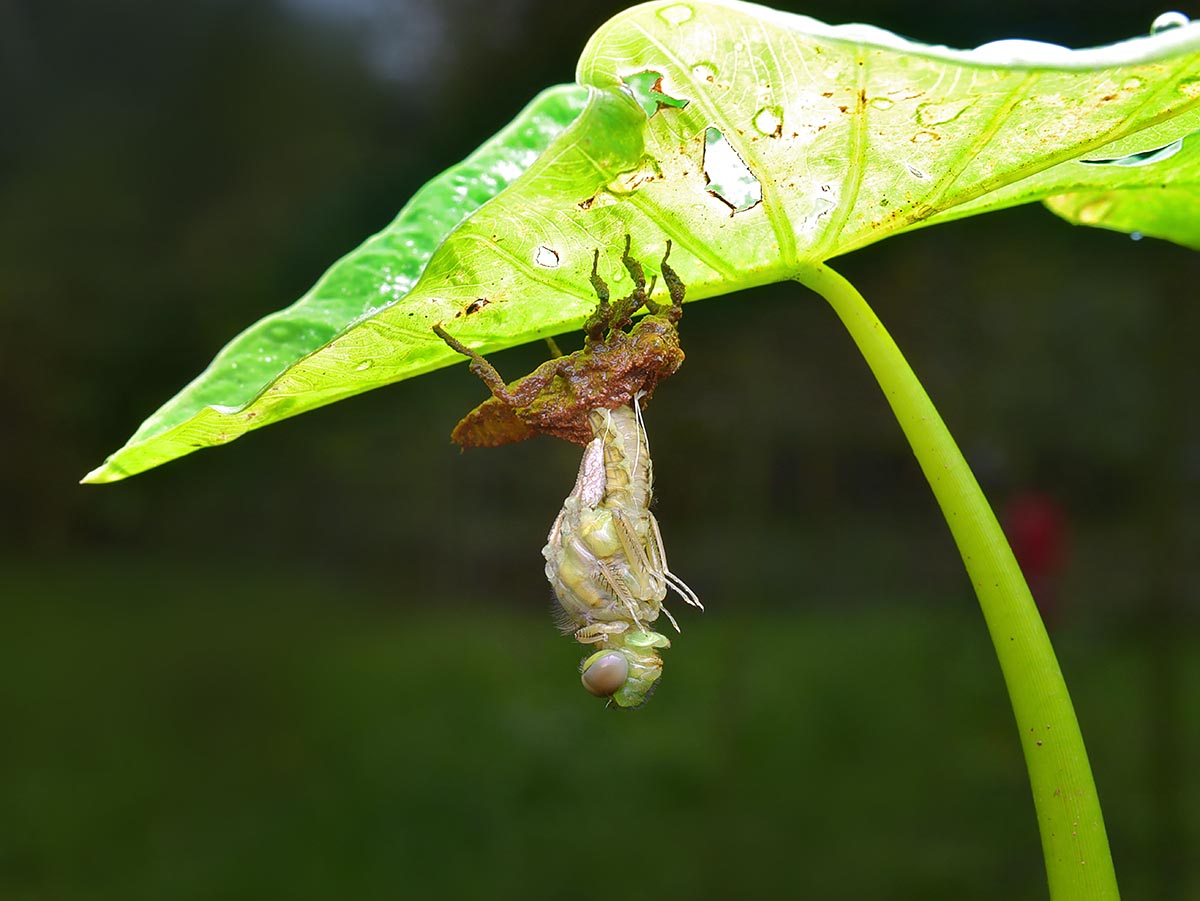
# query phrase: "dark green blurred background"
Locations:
[[320, 662]]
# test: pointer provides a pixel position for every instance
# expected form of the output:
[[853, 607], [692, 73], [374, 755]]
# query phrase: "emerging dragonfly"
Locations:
[[606, 562], [604, 555]]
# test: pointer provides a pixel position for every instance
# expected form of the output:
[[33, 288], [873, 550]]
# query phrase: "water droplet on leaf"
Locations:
[[1167, 21], [363, 366], [882, 103], [675, 15], [1142, 158], [941, 112], [769, 121], [823, 205]]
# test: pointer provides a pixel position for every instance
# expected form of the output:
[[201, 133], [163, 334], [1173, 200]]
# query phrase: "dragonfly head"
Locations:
[[626, 669]]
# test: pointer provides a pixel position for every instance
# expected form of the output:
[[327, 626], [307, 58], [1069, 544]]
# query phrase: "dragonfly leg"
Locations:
[[594, 633], [624, 308], [681, 587], [597, 324], [650, 579], [615, 316], [621, 590], [481, 367], [675, 287]]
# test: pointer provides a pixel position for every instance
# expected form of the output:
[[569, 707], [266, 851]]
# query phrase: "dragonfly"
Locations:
[[606, 562], [604, 555]]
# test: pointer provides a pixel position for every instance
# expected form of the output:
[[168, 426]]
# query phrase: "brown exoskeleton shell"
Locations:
[[612, 368]]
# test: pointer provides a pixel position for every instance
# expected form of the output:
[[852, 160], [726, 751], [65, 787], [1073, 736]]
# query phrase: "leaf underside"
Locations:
[[759, 143]]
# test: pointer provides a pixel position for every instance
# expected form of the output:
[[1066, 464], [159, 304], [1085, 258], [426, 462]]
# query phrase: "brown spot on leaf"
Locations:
[[476, 305]]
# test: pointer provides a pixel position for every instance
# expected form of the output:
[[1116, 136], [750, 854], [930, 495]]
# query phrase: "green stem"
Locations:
[[1078, 862]]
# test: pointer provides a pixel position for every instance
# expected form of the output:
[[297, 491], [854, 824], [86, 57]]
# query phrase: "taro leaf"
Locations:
[[1166, 207], [759, 142], [216, 407]]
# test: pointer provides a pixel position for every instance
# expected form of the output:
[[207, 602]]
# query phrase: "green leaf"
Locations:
[[1165, 205], [373, 276], [759, 142]]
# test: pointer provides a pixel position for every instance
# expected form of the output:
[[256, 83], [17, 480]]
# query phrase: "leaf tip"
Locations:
[[104, 474]]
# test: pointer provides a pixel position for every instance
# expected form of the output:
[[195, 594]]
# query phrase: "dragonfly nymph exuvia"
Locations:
[[604, 555]]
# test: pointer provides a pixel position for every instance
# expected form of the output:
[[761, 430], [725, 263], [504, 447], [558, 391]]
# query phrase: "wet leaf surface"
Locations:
[[848, 134]]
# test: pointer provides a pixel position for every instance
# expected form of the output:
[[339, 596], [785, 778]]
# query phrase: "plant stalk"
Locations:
[[1078, 861]]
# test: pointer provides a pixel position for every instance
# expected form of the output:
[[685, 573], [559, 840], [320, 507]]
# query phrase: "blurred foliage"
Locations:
[[244, 742], [240, 697]]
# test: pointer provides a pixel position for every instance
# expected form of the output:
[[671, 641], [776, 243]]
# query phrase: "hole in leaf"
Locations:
[[546, 257], [1144, 158], [676, 15], [648, 90], [729, 178]]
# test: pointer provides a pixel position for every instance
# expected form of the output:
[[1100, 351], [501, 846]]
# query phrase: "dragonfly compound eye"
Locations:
[[605, 673]]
